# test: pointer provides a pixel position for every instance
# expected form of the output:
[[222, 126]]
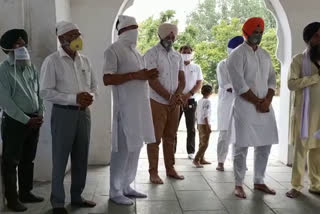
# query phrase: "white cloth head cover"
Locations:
[[165, 29], [65, 27], [126, 21]]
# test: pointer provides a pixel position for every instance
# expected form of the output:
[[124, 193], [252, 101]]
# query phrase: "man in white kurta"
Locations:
[[254, 82], [132, 119], [226, 97]]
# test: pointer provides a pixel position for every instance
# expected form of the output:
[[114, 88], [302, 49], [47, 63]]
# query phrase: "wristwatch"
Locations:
[[191, 93]]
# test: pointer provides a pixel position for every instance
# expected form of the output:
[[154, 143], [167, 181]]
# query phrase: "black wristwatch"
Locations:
[[191, 93]]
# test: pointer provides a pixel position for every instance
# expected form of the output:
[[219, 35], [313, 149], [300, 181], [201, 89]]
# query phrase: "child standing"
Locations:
[[204, 127]]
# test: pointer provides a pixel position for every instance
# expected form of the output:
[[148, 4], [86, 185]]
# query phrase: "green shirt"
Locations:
[[19, 93]]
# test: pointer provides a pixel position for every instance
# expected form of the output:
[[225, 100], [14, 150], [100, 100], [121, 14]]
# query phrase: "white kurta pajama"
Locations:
[[132, 118], [249, 69], [225, 102]]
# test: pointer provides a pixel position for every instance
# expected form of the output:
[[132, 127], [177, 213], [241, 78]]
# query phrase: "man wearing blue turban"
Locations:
[[226, 98]]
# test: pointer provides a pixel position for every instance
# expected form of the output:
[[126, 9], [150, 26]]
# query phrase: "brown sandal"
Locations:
[[293, 193], [264, 188], [239, 192]]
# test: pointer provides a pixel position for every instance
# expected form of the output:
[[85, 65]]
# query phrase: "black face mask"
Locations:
[[167, 44], [255, 38], [315, 52]]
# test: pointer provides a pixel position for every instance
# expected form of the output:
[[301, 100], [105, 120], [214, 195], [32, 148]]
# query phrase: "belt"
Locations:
[[75, 108]]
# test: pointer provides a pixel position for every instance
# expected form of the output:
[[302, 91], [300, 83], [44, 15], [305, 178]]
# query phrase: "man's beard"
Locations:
[[315, 52]]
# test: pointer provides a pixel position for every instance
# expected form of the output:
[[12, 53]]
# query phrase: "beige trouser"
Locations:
[[165, 121], [298, 167], [204, 135]]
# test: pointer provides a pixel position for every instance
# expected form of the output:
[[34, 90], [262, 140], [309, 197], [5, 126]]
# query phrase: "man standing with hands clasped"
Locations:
[[254, 82], [68, 81]]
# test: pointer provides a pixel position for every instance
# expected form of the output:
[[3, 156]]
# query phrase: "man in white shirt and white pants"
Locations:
[[166, 98], [132, 125], [254, 82], [68, 81], [226, 97], [194, 78]]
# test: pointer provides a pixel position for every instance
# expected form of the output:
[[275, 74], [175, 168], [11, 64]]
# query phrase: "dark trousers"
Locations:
[[70, 131], [190, 116], [19, 150]]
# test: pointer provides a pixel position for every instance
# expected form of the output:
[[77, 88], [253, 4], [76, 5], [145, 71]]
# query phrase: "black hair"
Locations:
[[185, 47], [206, 90]]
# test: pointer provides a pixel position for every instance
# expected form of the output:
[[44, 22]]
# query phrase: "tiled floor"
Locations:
[[204, 191]]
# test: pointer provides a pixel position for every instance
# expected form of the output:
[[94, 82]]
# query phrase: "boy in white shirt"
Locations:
[[204, 127]]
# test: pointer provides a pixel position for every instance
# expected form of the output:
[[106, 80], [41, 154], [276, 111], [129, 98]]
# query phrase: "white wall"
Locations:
[[96, 19]]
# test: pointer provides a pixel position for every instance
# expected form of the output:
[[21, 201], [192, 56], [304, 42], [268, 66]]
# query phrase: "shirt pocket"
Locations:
[[33, 84], [86, 77]]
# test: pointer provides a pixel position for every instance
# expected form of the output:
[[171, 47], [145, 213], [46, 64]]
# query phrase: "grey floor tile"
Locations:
[[297, 211], [191, 182], [219, 177], [268, 180], [206, 212], [225, 191], [163, 192], [281, 176], [198, 200], [246, 207], [158, 207], [280, 201]]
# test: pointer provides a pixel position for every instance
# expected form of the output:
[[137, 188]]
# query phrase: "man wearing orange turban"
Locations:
[[254, 82]]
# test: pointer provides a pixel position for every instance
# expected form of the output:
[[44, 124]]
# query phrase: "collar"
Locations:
[[248, 46], [62, 53], [161, 48], [10, 60]]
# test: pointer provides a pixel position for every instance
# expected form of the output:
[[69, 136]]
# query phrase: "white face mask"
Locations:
[[130, 35], [187, 57], [21, 54]]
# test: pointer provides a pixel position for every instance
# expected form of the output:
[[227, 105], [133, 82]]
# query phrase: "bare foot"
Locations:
[[293, 193], [173, 174], [197, 164], [264, 188], [155, 179], [204, 162], [239, 192], [220, 167]]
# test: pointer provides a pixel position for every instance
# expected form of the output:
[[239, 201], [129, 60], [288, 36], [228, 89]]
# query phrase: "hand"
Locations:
[[185, 98], [229, 90], [35, 122], [146, 74], [176, 99], [84, 99], [263, 106]]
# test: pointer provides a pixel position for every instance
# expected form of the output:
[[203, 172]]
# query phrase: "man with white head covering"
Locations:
[[21, 120], [68, 81], [254, 82], [124, 69], [304, 82], [226, 97], [165, 97]]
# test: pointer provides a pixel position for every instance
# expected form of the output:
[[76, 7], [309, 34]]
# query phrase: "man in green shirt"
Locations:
[[21, 120]]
